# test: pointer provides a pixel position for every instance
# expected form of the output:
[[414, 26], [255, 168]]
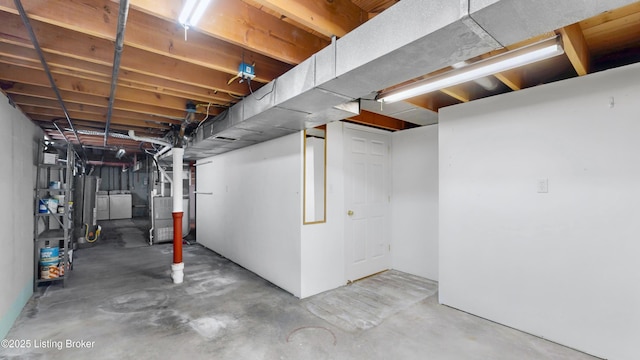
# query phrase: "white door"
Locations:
[[366, 162]]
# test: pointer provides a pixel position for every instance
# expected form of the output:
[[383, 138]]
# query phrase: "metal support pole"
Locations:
[[177, 268]]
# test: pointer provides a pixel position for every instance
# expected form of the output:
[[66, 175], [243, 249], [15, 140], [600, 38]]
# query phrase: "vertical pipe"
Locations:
[[177, 268]]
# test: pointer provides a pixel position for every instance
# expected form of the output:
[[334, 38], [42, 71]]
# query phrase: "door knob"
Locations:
[[350, 212]]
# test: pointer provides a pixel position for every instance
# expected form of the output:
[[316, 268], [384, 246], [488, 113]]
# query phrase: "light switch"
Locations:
[[543, 185]]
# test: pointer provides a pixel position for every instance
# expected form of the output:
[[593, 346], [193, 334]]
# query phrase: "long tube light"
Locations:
[[510, 60], [192, 12]]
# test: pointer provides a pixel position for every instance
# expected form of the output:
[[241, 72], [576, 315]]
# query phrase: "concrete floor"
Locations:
[[120, 301]]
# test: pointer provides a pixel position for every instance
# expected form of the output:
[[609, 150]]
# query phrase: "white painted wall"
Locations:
[[18, 148], [255, 213], [563, 264], [414, 201], [322, 245]]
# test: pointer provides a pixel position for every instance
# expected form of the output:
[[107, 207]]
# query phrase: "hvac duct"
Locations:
[[408, 40]]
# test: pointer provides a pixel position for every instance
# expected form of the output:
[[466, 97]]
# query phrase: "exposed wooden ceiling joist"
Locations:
[[36, 77], [379, 121], [576, 48], [329, 18], [80, 115], [240, 24], [87, 99], [100, 51], [16, 55], [161, 71], [147, 33]]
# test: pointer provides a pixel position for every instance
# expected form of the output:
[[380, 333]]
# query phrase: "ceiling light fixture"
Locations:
[[510, 60], [192, 12]]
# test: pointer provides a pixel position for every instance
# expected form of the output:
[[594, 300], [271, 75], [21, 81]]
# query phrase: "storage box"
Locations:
[[50, 158]]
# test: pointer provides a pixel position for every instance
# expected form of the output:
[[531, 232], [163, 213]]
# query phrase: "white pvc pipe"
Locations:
[[162, 152], [176, 185], [133, 136]]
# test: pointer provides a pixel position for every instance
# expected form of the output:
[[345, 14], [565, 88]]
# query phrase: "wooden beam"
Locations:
[[86, 70], [615, 34], [241, 24], [458, 92], [35, 77], [149, 33], [576, 48], [33, 110], [512, 78], [47, 120], [328, 17], [378, 120], [100, 51], [86, 99], [433, 101], [90, 109]]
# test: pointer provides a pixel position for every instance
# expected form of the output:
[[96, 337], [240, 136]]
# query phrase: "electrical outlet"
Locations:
[[543, 185]]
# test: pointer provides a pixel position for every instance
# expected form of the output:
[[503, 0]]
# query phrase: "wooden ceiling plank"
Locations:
[[576, 49], [244, 25], [374, 7], [458, 92], [35, 110], [424, 102], [167, 38], [88, 116], [100, 51], [617, 33], [286, 19], [610, 15], [127, 78], [98, 18], [337, 17], [86, 99], [34, 77], [28, 53], [83, 108], [512, 78], [433, 101], [95, 126], [378, 120], [36, 65]]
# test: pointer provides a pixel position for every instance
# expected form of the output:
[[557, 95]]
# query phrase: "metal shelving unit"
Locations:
[[53, 228]]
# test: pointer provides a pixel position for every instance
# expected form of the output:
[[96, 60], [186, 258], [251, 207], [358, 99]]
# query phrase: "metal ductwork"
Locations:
[[408, 40]]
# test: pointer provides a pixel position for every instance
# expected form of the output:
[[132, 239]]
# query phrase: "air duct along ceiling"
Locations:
[[408, 40]]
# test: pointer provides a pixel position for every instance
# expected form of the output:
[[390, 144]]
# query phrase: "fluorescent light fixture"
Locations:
[[510, 60], [192, 12]]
